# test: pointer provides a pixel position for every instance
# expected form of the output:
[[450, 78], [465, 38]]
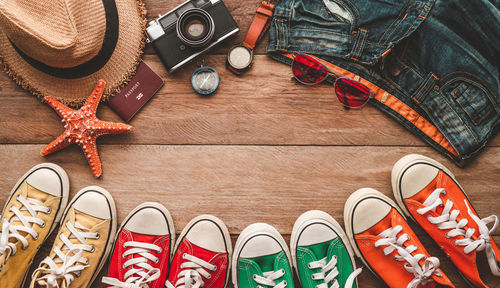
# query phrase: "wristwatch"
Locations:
[[240, 57]]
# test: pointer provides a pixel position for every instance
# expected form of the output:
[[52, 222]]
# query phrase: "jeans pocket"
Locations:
[[339, 10], [471, 96], [327, 15]]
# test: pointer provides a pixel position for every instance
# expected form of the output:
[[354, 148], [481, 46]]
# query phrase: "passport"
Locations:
[[137, 93]]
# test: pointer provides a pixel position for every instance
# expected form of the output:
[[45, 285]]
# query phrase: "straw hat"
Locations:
[[61, 48]]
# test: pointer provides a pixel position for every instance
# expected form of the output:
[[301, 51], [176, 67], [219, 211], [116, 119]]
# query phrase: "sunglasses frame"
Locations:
[[336, 77]]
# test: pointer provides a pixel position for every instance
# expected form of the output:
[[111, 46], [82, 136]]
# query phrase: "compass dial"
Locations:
[[205, 80]]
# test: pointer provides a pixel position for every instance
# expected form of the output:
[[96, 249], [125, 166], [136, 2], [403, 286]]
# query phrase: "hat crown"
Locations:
[[58, 33]]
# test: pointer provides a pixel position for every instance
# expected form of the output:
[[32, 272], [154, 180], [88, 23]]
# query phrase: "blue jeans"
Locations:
[[433, 65]]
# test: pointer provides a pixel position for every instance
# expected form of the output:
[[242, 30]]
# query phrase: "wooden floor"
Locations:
[[263, 149]]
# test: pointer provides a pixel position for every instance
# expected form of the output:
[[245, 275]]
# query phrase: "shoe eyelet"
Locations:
[[43, 225], [309, 265], [35, 237], [159, 251], [97, 236], [50, 210], [209, 276], [283, 271], [92, 250], [284, 283], [254, 277], [215, 268], [183, 255]]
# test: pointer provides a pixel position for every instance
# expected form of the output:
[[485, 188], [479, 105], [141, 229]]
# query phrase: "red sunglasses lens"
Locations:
[[351, 93], [308, 70]]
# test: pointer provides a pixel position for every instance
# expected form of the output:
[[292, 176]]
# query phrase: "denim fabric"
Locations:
[[441, 58]]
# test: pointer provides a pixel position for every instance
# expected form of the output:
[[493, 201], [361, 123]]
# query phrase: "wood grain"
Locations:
[[262, 149], [264, 107], [247, 184]]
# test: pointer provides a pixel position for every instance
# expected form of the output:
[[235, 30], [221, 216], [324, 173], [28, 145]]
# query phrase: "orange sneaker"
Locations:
[[429, 193], [380, 236]]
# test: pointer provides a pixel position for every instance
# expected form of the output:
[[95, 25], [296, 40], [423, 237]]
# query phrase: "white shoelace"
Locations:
[[329, 273], [144, 274], [192, 277], [270, 278], [392, 242], [72, 262], [10, 231], [448, 220]]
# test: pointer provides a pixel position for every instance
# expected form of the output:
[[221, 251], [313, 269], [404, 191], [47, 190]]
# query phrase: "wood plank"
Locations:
[[246, 184], [263, 107], [274, 184]]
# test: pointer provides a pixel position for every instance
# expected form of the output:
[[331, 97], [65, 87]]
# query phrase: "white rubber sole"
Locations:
[[401, 166], [349, 206], [250, 231], [64, 197], [225, 232], [317, 216], [112, 233], [163, 210]]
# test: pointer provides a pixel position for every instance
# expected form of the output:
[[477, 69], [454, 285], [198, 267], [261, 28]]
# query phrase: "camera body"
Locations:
[[190, 30]]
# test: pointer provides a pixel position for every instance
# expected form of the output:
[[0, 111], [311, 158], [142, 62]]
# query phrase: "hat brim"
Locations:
[[118, 70]]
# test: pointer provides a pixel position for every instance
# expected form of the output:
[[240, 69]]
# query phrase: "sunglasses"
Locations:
[[310, 71]]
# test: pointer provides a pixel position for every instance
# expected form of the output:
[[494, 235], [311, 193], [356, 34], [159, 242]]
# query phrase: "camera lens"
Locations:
[[195, 27]]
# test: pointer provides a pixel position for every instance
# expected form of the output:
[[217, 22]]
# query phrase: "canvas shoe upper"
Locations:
[[430, 194], [142, 250], [381, 237], [261, 259], [201, 255], [321, 254], [34, 208], [83, 242]]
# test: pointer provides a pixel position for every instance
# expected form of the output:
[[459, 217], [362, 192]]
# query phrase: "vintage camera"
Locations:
[[190, 30]]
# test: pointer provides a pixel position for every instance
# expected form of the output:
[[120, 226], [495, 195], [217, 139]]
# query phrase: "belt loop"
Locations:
[[429, 83], [359, 44]]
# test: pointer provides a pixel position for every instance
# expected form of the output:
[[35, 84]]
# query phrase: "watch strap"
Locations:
[[260, 24]]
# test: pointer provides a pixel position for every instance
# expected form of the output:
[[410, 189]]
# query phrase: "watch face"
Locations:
[[240, 57], [205, 80]]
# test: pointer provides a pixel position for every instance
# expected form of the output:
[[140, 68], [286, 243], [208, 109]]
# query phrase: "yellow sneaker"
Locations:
[[34, 208], [83, 242]]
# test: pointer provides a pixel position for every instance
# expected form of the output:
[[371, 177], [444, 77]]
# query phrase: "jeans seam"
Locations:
[[424, 88]]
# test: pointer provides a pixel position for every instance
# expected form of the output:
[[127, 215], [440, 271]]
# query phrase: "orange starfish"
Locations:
[[83, 128]]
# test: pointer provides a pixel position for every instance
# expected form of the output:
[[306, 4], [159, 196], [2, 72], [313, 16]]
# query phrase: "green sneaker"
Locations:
[[261, 259], [321, 253]]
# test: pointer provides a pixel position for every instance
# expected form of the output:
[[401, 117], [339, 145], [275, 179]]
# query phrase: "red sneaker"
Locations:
[[142, 249], [202, 254], [429, 193]]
